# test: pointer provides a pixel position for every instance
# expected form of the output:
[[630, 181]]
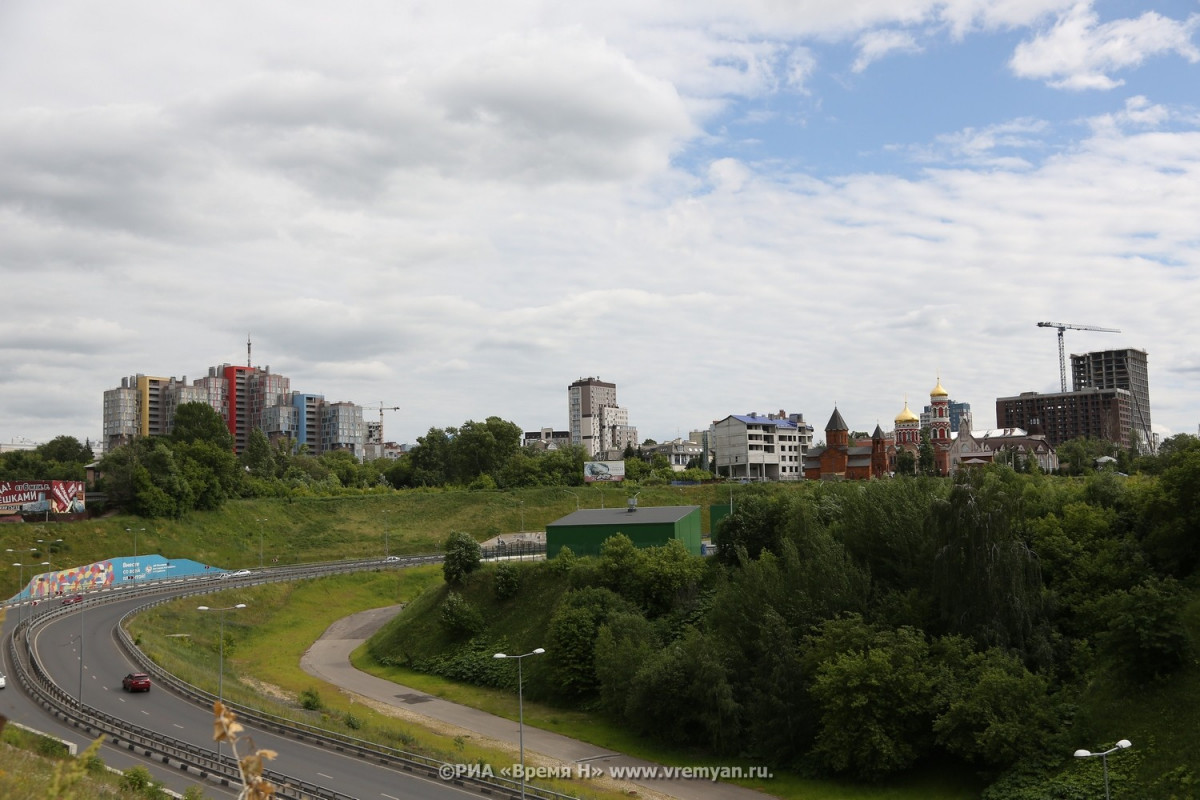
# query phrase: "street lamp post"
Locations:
[[386, 547], [260, 542], [50, 549], [521, 707], [134, 531], [221, 656], [1124, 744], [576, 496]]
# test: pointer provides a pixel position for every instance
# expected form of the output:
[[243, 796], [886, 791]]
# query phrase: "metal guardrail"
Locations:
[[204, 762]]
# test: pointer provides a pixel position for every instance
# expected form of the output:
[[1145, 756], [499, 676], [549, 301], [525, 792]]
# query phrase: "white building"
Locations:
[[765, 448]]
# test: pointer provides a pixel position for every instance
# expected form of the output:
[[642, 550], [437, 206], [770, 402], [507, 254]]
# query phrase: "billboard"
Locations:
[[603, 471], [110, 573], [53, 497]]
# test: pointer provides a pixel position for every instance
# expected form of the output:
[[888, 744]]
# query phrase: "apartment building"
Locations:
[[1119, 369], [761, 448], [595, 420], [246, 398], [1096, 413]]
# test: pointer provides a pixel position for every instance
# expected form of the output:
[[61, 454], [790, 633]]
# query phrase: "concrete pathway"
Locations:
[[329, 660]]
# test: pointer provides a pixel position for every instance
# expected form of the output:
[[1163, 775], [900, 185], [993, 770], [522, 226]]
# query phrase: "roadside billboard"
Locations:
[[39, 497], [603, 471]]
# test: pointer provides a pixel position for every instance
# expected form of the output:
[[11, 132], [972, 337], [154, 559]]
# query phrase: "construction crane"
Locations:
[[382, 408], [1062, 356]]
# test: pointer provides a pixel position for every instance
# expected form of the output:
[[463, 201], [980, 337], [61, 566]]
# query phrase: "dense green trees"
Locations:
[[61, 459], [862, 629]]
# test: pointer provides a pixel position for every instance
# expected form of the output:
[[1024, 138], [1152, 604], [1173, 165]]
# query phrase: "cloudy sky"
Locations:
[[459, 208]]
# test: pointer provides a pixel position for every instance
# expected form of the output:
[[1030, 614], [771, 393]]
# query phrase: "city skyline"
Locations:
[[723, 208]]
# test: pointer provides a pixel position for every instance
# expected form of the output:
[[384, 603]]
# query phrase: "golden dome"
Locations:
[[906, 415], [938, 391]]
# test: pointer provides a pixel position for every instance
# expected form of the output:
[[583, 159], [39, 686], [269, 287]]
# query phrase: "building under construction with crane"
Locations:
[[1109, 398]]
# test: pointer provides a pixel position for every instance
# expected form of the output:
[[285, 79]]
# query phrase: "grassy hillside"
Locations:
[[320, 528], [1162, 719]]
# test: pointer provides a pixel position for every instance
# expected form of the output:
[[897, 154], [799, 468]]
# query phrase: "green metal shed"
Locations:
[[585, 530]]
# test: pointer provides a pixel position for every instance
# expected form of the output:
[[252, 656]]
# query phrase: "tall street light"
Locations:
[[50, 549], [260, 542], [134, 531], [21, 588], [521, 707], [386, 548], [221, 657], [1124, 744]]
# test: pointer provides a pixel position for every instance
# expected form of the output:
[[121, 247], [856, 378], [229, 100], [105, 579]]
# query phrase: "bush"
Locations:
[[508, 580], [460, 617], [311, 700]]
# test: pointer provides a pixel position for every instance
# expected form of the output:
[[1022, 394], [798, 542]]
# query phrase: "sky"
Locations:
[[460, 208]]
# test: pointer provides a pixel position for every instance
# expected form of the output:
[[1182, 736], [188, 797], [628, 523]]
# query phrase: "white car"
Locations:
[[390, 559], [3, 681], [241, 573]]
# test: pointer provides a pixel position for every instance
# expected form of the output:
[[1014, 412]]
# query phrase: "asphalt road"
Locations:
[[104, 664]]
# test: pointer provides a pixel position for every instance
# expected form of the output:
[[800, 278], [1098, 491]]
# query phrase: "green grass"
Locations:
[[303, 530], [1163, 720]]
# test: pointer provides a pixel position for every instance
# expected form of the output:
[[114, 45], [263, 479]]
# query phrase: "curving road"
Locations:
[[104, 663]]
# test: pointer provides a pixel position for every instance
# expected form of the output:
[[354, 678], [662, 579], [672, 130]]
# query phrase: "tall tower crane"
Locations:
[[1062, 357], [382, 408]]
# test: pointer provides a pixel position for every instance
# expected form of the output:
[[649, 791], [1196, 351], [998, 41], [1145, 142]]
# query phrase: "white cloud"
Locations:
[[1080, 52], [875, 45]]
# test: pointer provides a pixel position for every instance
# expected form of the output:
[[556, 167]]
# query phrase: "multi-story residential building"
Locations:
[[767, 448], [342, 428], [1119, 369], [1096, 413], [595, 420], [246, 398]]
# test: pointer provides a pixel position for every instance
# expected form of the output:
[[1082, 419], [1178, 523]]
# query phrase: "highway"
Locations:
[[93, 626]]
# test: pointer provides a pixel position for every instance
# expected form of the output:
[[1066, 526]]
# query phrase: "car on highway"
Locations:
[[390, 559], [72, 600], [136, 682], [3, 680], [241, 573]]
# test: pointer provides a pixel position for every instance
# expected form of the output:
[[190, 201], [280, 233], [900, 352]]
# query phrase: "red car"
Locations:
[[70, 601], [136, 682]]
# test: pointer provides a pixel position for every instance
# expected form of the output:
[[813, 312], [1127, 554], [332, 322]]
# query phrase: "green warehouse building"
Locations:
[[585, 530]]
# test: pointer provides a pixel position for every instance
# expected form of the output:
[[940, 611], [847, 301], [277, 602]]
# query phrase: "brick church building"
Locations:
[[841, 459]]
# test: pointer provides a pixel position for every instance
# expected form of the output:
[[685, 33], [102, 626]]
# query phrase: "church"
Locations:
[[840, 459]]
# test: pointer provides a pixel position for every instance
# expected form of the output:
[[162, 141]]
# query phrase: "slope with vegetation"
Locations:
[[869, 631]]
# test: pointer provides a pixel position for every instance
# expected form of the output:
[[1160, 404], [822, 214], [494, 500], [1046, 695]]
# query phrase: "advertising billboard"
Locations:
[[603, 471], [40, 497]]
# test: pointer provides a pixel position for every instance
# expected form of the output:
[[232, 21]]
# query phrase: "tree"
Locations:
[[257, 457], [66, 450], [986, 580], [926, 464], [1146, 634], [198, 422], [462, 557], [996, 711], [875, 702]]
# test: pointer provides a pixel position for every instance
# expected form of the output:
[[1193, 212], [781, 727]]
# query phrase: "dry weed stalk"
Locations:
[[226, 729]]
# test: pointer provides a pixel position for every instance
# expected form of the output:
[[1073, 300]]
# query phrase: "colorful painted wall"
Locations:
[[109, 574]]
